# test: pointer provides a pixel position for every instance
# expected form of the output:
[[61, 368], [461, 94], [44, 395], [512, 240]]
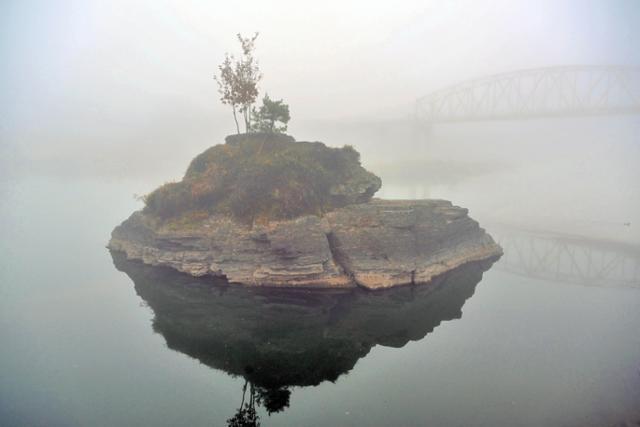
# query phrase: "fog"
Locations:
[[101, 102], [122, 90]]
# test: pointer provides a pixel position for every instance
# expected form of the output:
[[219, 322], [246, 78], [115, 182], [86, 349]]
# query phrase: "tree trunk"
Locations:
[[245, 112], [235, 119], [244, 391]]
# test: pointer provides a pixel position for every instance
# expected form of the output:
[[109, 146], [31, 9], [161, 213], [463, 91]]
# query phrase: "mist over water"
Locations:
[[100, 103], [573, 175]]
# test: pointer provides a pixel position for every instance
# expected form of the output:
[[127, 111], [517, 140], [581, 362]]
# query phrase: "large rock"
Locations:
[[375, 245]]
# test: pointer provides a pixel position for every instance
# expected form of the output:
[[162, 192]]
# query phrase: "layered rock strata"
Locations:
[[379, 244]]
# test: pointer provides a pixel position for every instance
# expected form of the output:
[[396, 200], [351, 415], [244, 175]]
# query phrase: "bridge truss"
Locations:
[[541, 92], [569, 260]]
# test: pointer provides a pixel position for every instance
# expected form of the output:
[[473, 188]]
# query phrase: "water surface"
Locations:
[[90, 339]]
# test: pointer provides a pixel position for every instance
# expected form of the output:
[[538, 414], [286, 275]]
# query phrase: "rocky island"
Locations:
[[266, 210]]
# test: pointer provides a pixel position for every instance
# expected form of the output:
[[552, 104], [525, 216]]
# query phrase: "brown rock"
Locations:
[[378, 244]]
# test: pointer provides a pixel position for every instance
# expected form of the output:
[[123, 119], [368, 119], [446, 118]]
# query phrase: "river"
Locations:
[[548, 335]]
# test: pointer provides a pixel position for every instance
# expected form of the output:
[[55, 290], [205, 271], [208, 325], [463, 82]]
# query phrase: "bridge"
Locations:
[[575, 90], [568, 259]]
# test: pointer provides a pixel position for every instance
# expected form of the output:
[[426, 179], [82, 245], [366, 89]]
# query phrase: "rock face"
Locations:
[[379, 244]]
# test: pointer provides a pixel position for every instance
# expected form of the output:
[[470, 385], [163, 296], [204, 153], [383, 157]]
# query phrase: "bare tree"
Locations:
[[227, 86], [238, 81]]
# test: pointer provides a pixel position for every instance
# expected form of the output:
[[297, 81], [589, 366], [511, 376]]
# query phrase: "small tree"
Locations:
[[227, 86], [238, 81], [270, 113]]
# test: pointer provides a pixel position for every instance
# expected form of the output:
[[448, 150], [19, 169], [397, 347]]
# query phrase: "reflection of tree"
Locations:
[[273, 400], [246, 415]]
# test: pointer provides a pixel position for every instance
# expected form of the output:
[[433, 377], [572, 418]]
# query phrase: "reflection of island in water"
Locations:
[[277, 338]]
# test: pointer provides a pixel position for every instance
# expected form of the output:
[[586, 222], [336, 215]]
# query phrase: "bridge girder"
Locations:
[[541, 92]]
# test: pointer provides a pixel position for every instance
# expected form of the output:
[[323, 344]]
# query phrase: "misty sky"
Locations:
[[96, 85], [327, 59]]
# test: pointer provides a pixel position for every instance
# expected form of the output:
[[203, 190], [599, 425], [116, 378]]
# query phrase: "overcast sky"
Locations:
[[114, 64]]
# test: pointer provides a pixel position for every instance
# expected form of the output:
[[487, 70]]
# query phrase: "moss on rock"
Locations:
[[264, 176]]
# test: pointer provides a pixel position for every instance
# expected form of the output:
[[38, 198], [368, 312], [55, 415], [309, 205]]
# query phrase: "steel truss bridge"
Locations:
[[569, 259], [540, 92]]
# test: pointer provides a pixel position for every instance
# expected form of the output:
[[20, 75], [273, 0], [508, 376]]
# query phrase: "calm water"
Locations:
[[547, 336]]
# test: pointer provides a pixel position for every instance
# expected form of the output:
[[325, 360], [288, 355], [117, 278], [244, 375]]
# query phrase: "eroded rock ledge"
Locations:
[[379, 244]]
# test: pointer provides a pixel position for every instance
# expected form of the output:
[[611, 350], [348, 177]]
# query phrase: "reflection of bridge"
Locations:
[[539, 92], [569, 259]]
